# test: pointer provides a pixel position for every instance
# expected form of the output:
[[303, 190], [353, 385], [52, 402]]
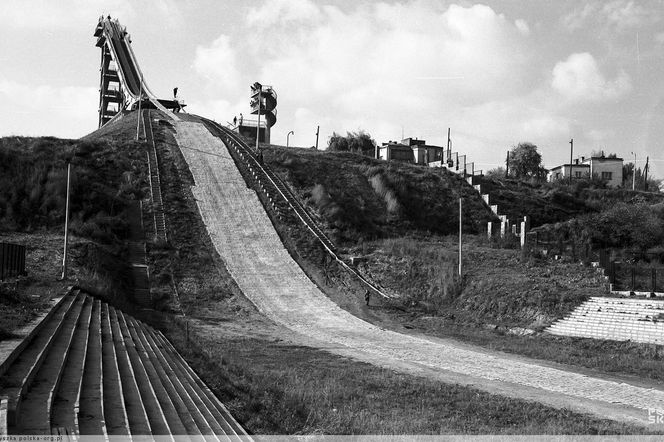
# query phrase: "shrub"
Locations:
[[626, 226]]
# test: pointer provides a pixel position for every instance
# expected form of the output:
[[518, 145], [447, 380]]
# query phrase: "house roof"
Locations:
[[573, 165]]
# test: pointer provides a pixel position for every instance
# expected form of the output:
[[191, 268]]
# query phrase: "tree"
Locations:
[[496, 173], [337, 143], [525, 161], [641, 179], [358, 142]]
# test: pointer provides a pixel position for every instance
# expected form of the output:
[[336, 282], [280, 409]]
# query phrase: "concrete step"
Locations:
[[180, 384], [169, 412], [139, 424], [18, 376], [69, 390], [202, 425], [174, 394], [91, 402], [15, 347], [115, 414], [207, 398], [34, 414], [153, 408], [199, 399], [4, 429]]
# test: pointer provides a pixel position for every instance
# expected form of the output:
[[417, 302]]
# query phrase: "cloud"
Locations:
[[218, 64], [382, 64], [623, 15], [381, 53], [71, 111], [43, 15], [579, 79], [522, 26], [283, 12], [613, 16]]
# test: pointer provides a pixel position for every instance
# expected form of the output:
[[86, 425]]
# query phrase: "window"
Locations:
[[577, 174], [607, 176]]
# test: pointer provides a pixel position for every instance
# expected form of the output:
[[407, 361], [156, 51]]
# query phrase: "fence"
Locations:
[[561, 244], [12, 260], [632, 277]]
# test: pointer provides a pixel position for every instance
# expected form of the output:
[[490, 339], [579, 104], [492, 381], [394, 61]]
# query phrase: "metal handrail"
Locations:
[[315, 230]]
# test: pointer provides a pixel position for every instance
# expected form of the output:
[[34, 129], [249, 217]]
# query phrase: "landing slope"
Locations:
[[246, 240]]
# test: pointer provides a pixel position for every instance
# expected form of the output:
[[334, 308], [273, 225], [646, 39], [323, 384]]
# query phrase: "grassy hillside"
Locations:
[[360, 199], [555, 202], [106, 176]]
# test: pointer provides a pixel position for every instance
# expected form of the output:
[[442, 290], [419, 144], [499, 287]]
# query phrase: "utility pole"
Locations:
[[634, 173], [138, 117], [571, 153], [460, 230], [645, 175], [260, 108], [64, 257], [317, 131], [449, 148]]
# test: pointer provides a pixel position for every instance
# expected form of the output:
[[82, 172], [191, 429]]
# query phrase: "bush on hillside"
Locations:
[[356, 142], [33, 184], [378, 199], [633, 226], [628, 227]]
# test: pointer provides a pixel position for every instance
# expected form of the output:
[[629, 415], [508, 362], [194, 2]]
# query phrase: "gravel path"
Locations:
[[247, 242]]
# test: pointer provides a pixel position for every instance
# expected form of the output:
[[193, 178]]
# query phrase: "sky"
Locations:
[[496, 73]]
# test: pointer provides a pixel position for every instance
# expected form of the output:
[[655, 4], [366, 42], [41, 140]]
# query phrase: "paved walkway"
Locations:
[[247, 242]]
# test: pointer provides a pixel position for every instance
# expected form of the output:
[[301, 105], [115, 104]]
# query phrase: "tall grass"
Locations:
[[33, 176], [382, 189]]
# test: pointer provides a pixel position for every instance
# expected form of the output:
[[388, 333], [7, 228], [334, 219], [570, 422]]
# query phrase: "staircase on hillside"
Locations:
[[88, 368], [616, 319], [140, 271], [155, 181]]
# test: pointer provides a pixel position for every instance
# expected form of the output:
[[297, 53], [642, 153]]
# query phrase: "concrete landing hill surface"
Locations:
[[247, 242]]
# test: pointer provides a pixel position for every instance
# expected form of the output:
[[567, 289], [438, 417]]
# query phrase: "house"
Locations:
[[409, 150], [608, 169], [576, 169]]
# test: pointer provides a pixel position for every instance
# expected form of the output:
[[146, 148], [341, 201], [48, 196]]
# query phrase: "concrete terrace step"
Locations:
[[115, 414], [202, 425], [3, 416], [614, 319], [221, 416], [69, 390], [35, 410], [149, 386], [91, 401], [191, 387], [93, 370], [173, 395], [19, 375], [139, 423]]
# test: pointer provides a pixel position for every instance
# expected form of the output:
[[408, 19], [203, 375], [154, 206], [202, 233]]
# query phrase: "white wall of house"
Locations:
[[578, 171], [607, 169]]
